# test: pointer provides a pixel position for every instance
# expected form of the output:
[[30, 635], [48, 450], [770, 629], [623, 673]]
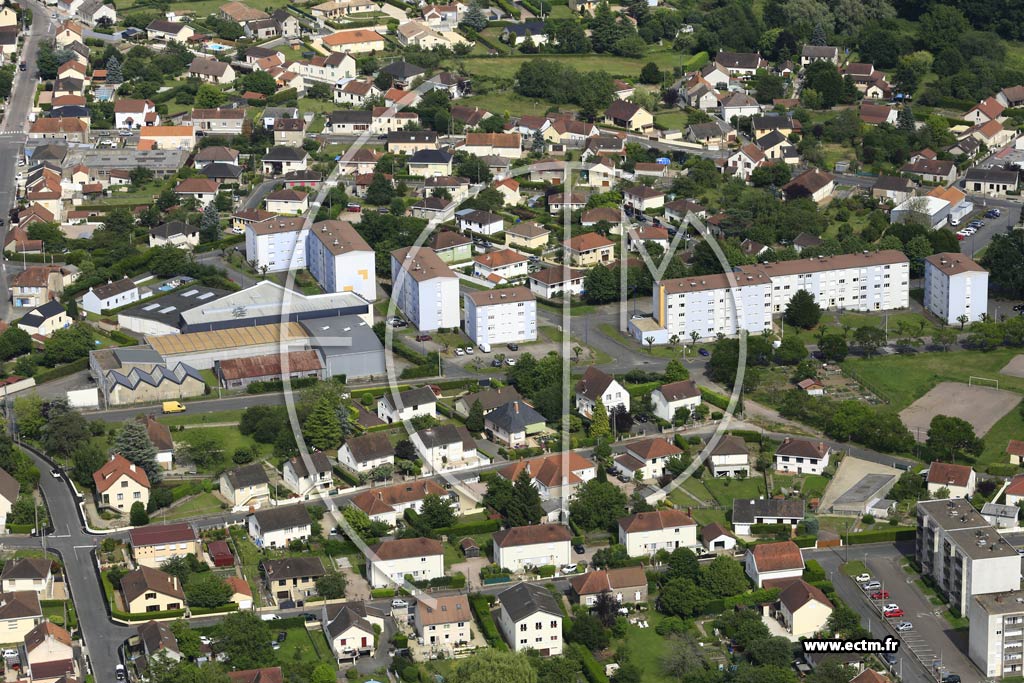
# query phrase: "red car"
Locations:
[[880, 595], [893, 613]]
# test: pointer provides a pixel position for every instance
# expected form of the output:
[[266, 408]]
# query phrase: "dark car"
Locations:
[[496, 363], [640, 418], [423, 337], [310, 617], [951, 678], [624, 478], [704, 352], [282, 636], [23, 66], [513, 347], [579, 549]]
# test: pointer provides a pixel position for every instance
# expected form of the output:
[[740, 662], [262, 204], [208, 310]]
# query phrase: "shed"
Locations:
[[469, 547], [220, 553]]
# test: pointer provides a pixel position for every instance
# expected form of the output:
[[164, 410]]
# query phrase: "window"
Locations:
[[522, 627]]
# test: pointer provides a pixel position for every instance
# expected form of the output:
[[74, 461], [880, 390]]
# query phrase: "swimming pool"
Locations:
[[217, 47]]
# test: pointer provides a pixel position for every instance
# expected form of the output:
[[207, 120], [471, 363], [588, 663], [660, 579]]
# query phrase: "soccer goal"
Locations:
[[982, 382]]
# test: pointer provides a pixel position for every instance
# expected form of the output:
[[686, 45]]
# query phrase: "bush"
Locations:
[[487, 526], [482, 611], [805, 541], [747, 435], [1002, 469], [715, 399], [813, 571], [868, 519], [382, 593], [547, 571], [769, 529]]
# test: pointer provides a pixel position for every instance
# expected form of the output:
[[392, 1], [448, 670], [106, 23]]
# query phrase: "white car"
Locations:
[[398, 603], [10, 654], [469, 350], [890, 607], [863, 578], [872, 586], [569, 569], [904, 626], [459, 351], [511, 362]]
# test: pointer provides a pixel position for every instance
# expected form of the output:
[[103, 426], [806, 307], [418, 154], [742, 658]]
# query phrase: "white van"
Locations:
[[484, 347]]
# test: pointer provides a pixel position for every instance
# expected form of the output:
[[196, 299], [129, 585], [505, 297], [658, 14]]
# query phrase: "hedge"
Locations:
[[457, 580], [768, 529], [220, 244], [714, 399], [347, 476], [146, 616], [230, 607], [507, 6], [20, 528], [62, 370], [382, 593], [122, 338], [482, 610], [748, 435], [813, 571], [546, 571], [485, 526], [806, 541], [713, 607], [276, 385], [1002, 469], [897, 533], [592, 670], [758, 596]]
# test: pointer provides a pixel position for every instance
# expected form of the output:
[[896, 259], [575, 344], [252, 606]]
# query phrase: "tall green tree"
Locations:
[[437, 512], [206, 589], [600, 427], [475, 419], [209, 224], [953, 437], [490, 666], [525, 507], [132, 442], [238, 633], [802, 310], [597, 505], [322, 430]]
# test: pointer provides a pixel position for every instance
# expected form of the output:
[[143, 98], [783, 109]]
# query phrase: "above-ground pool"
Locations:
[[217, 47]]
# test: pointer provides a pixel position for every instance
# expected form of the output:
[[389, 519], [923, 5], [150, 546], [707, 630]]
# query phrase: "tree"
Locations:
[[322, 430], [525, 507], [869, 339], [802, 310], [843, 619], [87, 458], [437, 512], [600, 427], [488, 666], [651, 74], [320, 91], [259, 81], [776, 651], [65, 430], [833, 347], [791, 350], [209, 223], [606, 608], [114, 76], [206, 589], [132, 443], [361, 524], [331, 586], [202, 450], [675, 371], [944, 337], [188, 640], [949, 437], [475, 419], [161, 669], [209, 96], [682, 563], [600, 286], [68, 344], [239, 632], [682, 598], [824, 79], [588, 631], [723, 577], [597, 505], [474, 17], [380, 190], [138, 516]]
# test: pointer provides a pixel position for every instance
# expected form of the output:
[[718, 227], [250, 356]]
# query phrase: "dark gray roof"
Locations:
[[430, 156], [247, 475], [341, 617], [353, 116], [731, 445], [409, 136], [745, 511], [317, 459], [281, 153], [40, 314], [69, 111], [157, 636], [888, 182], [26, 568], [218, 170], [443, 434], [157, 376], [293, 568], [372, 446], [525, 599], [411, 397], [402, 70], [168, 308], [771, 139], [992, 175], [282, 517], [170, 229], [514, 417], [527, 28]]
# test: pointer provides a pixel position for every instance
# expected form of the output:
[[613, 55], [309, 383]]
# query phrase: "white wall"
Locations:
[[501, 323]]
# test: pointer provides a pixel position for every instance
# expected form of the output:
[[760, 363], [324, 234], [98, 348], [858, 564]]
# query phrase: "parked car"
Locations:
[[569, 569], [624, 478], [119, 670], [512, 346], [510, 362], [469, 350], [23, 66], [904, 626], [55, 473], [872, 586], [282, 636], [892, 606], [862, 578], [423, 337], [951, 678], [704, 352], [398, 603], [579, 549], [880, 595], [893, 613], [459, 351], [496, 363]]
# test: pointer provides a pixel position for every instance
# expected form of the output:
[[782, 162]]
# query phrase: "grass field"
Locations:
[[304, 646], [201, 8], [648, 649], [507, 101], [1011, 426], [726, 489], [203, 504], [506, 67], [202, 418], [902, 379], [672, 119], [229, 439]]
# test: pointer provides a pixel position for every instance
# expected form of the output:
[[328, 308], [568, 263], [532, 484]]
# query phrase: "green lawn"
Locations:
[[187, 418], [902, 379], [647, 649], [503, 101], [202, 504], [229, 439], [506, 67], [304, 646], [1010, 427], [726, 489], [316, 106], [813, 486], [853, 568], [705, 517], [672, 119]]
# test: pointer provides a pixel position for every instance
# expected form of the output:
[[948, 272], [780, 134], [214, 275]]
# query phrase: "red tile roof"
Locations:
[[114, 469], [772, 557], [653, 521], [948, 474]]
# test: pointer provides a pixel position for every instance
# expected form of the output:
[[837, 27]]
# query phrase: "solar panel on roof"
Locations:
[[168, 309], [191, 292], [150, 307]]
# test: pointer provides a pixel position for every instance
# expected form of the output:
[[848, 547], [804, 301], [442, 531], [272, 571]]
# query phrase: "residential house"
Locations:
[[782, 560], [813, 184], [155, 544], [292, 202], [712, 135], [776, 147], [389, 503], [527, 234], [35, 285], [356, 41], [489, 400], [589, 249], [714, 538], [645, 533], [507, 145], [430, 162], [742, 64], [513, 424], [647, 459], [597, 385], [500, 266], [446, 447], [390, 562], [218, 121], [667, 399], [991, 182], [46, 319], [281, 160], [69, 129], [554, 282], [349, 628], [536, 545], [211, 71], [135, 114], [203, 190], [158, 638], [641, 198], [627, 585], [959, 480], [802, 608], [554, 476], [730, 457], [110, 296], [819, 53], [677, 211], [743, 161], [735, 105], [366, 452], [502, 316], [356, 91], [628, 115], [939, 171], [175, 234], [308, 474], [424, 287], [483, 222], [894, 189], [877, 114], [292, 578], [517, 34], [407, 404], [245, 485], [443, 623], [747, 512], [452, 247], [150, 590], [120, 484], [9, 490], [989, 109], [27, 574], [560, 202], [802, 456], [530, 619], [276, 527], [289, 132]]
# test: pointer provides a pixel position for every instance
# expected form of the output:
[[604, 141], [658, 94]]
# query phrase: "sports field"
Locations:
[[981, 406]]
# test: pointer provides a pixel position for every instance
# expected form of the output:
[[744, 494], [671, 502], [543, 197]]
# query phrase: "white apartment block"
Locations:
[[341, 260], [871, 281], [996, 640], [500, 316], [424, 288], [955, 285], [277, 243], [529, 619], [391, 561], [963, 553], [709, 305]]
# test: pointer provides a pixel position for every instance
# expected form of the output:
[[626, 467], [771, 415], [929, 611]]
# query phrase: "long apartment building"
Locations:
[[963, 553], [424, 288], [996, 639], [500, 316], [747, 298]]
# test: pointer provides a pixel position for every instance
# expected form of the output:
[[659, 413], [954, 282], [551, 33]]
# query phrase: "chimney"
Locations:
[[174, 581], [131, 467], [515, 407], [689, 511]]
